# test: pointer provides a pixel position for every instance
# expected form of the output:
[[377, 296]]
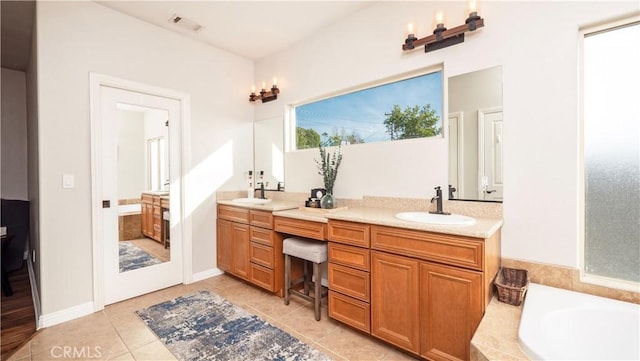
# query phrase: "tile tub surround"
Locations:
[[497, 335], [130, 227], [569, 279]]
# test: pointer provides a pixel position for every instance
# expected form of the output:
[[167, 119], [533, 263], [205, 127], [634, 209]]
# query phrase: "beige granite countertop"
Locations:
[[273, 206], [156, 193], [483, 228], [497, 335]]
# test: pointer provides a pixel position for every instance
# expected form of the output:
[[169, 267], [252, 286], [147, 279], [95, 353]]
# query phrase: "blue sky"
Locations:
[[364, 110]]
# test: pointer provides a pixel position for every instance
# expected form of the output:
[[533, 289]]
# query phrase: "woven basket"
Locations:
[[512, 284]]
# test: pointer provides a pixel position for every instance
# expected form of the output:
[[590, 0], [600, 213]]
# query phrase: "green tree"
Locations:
[[337, 139], [306, 138], [413, 122]]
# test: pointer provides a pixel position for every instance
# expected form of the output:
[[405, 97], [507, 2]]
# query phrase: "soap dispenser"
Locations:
[[250, 190]]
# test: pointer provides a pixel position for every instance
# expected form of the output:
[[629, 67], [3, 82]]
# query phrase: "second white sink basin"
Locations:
[[251, 200], [430, 218]]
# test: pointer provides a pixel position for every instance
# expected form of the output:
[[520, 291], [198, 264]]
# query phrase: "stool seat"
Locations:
[[310, 251], [314, 251]]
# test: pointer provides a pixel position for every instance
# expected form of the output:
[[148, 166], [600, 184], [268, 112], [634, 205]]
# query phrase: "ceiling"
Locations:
[[251, 29]]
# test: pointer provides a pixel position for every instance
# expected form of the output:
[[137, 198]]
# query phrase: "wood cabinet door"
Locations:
[[451, 309], [147, 220], [224, 245], [241, 250], [394, 300]]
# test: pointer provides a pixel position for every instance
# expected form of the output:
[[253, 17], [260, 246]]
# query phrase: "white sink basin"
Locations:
[[430, 218], [251, 200]]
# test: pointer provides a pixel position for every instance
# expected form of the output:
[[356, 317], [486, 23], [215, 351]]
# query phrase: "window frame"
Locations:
[[584, 276], [290, 121]]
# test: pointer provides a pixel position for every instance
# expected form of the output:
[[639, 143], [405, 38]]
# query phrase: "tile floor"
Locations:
[[116, 333]]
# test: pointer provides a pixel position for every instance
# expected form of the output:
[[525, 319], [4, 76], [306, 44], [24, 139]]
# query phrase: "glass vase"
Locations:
[[328, 201]]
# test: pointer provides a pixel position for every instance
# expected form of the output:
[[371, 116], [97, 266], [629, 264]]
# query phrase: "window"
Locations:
[[157, 164], [611, 151], [408, 108]]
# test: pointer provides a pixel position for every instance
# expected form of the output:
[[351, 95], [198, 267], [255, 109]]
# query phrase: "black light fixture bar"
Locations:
[[265, 95], [442, 37]]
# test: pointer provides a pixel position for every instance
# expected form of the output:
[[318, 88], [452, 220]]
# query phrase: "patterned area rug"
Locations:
[[204, 326], [133, 257]]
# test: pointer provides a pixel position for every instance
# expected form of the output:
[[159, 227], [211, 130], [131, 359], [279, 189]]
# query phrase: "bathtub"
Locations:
[[129, 209], [557, 324]]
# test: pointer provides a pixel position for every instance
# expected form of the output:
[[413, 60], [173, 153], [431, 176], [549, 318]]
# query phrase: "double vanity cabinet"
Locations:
[[421, 288]]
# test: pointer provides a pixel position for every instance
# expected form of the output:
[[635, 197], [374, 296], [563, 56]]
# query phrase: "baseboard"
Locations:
[[206, 274], [65, 315], [34, 292]]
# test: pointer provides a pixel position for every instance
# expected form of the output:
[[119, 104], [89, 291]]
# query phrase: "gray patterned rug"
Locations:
[[133, 257], [204, 326]]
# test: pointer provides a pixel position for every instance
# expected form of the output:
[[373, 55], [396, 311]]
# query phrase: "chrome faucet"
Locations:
[[438, 200]]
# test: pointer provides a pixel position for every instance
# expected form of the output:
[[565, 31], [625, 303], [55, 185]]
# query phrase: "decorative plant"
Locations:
[[328, 166]]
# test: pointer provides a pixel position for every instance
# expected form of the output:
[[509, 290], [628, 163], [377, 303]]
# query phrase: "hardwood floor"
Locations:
[[18, 315]]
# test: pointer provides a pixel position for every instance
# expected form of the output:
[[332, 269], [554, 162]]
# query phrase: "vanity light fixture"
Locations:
[[443, 37], [265, 95]]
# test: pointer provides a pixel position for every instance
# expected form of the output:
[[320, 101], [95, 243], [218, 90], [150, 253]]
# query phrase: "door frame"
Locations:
[[96, 81], [459, 120], [481, 154]]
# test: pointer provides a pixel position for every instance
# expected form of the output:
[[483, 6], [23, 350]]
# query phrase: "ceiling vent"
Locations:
[[185, 23]]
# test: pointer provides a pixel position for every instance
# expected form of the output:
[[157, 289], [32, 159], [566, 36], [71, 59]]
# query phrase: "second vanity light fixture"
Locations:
[[443, 37], [265, 95]]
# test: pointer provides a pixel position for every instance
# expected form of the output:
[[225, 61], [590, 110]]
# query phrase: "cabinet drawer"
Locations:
[[146, 198], [356, 234], [261, 254], [164, 203], [156, 200], [449, 249], [262, 276], [261, 219], [348, 310], [261, 235], [234, 214], [298, 227], [350, 256], [349, 281]]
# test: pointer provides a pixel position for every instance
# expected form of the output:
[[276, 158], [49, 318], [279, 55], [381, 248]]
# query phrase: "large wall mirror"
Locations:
[[268, 153], [475, 136], [143, 166]]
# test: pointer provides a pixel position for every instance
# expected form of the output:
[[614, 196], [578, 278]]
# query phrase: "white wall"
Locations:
[[535, 42], [75, 38], [14, 135]]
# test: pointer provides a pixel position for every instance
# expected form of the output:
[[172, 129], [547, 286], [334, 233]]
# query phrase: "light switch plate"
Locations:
[[68, 181], [3, 231]]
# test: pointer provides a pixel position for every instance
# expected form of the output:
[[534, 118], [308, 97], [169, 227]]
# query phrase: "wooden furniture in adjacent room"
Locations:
[[151, 210]]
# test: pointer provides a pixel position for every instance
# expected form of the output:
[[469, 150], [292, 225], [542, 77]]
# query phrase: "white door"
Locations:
[[490, 153], [456, 150], [126, 115]]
